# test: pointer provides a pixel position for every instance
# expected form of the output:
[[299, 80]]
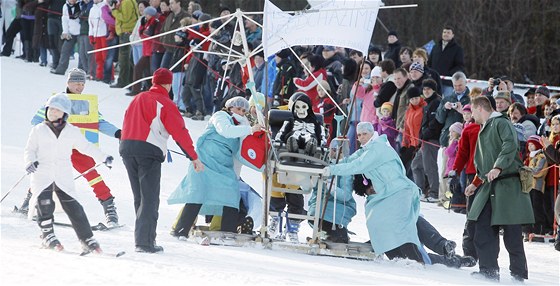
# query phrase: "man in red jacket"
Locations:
[[149, 120]]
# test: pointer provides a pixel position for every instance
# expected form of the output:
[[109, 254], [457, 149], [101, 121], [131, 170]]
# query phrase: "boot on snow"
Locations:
[[110, 211], [49, 240], [90, 245]]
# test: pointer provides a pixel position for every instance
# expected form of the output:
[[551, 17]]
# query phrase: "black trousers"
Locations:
[[72, 208], [144, 173], [188, 215], [407, 250], [487, 244], [469, 230], [294, 202], [11, 33]]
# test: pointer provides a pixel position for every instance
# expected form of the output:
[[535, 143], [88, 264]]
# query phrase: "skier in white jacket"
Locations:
[[47, 159]]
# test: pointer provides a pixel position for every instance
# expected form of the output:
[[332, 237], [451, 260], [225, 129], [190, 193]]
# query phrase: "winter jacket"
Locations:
[[538, 165], [217, 186], [172, 22], [149, 120], [450, 116], [431, 128], [467, 147], [70, 19], [393, 53], [530, 124], [196, 71], [552, 154], [55, 8], [84, 15], [53, 154], [97, 26], [451, 153], [309, 84], [448, 61], [284, 82], [369, 112], [387, 126], [341, 206], [401, 104], [393, 210], [386, 92], [125, 16], [412, 124], [146, 30], [497, 147]]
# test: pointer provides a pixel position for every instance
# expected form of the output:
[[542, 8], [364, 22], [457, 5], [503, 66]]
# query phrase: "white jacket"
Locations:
[[69, 26], [97, 26], [53, 155]]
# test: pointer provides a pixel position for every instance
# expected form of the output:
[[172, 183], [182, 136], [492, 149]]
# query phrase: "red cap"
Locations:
[[162, 76]]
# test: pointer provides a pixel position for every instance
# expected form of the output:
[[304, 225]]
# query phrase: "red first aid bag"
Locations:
[[253, 151]]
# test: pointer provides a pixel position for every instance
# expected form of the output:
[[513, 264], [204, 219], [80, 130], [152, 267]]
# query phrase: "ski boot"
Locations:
[[49, 240], [292, 229], [273, 227], [449, 248], [110, 212], [24, 209], [90, 245], [292, 145], [247, 226], [311, 147]]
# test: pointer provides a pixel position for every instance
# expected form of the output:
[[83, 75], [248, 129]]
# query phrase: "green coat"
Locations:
[[125, 16], [497, 147]]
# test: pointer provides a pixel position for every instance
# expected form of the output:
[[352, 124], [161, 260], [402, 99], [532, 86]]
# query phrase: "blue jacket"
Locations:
[[392, 212], [217, 186], [341, 205]]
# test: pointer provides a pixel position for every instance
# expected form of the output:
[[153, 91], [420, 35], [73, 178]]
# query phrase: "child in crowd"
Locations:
[[537, 162], [47, 158], [551, 148], [458, 201], [387, 124], [370, 90], [326, 107]]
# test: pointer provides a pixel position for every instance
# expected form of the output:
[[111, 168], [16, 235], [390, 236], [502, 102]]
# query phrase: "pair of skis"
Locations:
[[98, 227]]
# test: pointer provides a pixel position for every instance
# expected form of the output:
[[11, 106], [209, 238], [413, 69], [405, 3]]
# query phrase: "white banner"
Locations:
[[342, 23]]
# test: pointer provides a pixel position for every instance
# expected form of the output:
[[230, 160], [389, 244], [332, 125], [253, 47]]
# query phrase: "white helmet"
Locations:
[[61, 102]]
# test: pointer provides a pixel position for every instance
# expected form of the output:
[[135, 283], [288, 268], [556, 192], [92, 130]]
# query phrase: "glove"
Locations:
[[109, 162], [452, 173], [32, 167], [65, 36], [327, 171], [118, 134]]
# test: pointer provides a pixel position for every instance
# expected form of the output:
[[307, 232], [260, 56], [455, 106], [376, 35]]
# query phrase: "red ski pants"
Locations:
[[82, 163]]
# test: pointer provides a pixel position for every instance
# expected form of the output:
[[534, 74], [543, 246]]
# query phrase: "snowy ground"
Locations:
[[25, 87]]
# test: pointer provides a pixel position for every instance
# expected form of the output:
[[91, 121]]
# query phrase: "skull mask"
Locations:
[[301, 109]]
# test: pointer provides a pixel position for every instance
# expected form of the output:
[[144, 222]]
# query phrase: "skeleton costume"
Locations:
[[303, 131]]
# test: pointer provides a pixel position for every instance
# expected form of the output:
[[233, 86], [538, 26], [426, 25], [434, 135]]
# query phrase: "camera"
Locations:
[[454, 105], [113, 2], [496, 82]]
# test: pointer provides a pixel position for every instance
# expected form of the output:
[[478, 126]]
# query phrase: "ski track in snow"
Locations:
[[25, 87]]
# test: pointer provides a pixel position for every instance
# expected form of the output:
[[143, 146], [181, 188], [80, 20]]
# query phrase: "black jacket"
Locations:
[[430, 128], [393, 53], [449, 61]]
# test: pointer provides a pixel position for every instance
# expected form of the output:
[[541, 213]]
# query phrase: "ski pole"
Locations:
[[12, 188], [89, 170]]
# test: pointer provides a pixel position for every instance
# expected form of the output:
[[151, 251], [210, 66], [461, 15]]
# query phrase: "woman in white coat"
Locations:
[[47, 158]]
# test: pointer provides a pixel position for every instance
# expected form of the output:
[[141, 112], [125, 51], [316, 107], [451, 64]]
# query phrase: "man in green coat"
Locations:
[[499, 202]]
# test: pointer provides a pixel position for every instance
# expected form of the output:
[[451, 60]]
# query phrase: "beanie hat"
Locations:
[[238, 101], [456, 127], [376, 71], [150, 11], [503, 95], [387, 105], [429, 83], [413, 92], [543, 90], [204, 17], [393, 33], [181, 34], [162, 76], [76, 75], [467, 108], [530, 91], [224, 8], [328, 48], [283, 53], [196, 14], [326, 85], [61, 102], [415, 66], [364, 127], [535, 140]]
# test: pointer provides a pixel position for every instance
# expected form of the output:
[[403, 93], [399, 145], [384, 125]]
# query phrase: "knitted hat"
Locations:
[[283, 53], [530, 91], [162, 76], [543, 90], [393, 33], [376, 71], [535, 140], [467, 108], [224, 8], [328, 48], [364, 127], [150, 11], [387, 105], [503, 95], [429, 83], [196, 14], [413, 92], [415, 66], [238, 101], [181, 34], [76, 75], [456, 127]]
